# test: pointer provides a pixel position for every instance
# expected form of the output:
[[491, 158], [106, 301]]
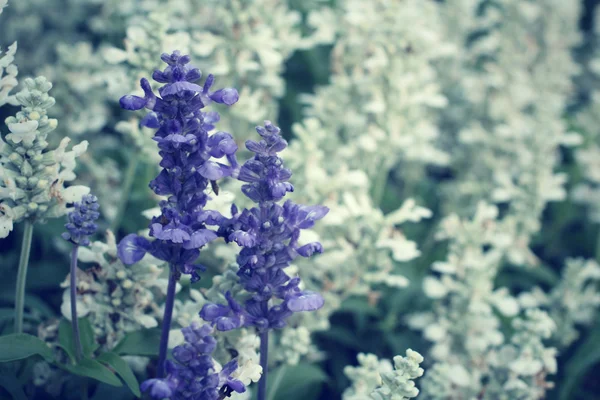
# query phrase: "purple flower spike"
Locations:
[[192, 374], [268, 235], [182, 133], [81, 221]]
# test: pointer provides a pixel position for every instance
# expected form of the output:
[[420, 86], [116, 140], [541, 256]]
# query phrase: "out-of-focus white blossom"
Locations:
[[115, 298], [465, 324], [33, 177], [376, 379], [8, 74], [508, 89]]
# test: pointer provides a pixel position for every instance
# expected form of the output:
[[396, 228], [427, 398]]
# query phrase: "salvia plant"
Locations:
[[420, 219]]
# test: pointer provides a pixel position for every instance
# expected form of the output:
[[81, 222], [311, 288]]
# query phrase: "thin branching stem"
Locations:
[[22, 276], [73, 292]]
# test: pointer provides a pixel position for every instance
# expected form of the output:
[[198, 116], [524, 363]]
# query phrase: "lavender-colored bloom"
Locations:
[[192, 374], [81, 221], [187, 168], [268, 235]]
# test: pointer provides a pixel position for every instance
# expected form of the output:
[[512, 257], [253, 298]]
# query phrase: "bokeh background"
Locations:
[[73, 43]]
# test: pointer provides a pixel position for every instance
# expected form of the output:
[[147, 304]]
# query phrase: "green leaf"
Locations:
[[305, 379], [86, 335], [586, 356], [17, 346], [88, 340], [10, 382], [93, 369], [144, 342], [121, 367]]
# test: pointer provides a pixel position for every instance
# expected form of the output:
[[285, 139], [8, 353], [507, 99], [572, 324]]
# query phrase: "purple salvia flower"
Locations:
[[268, 235], [80, 227], [192, 374], [188, 168], [81, 223], [186, 150]]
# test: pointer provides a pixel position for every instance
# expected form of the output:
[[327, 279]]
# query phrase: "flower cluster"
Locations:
[[470, 350], [81, 221], [194, 374], [376, 379], [117, 299], [187, 169], [268, 235], [8, 81], [508, 91], [572, 303], [32, 177]]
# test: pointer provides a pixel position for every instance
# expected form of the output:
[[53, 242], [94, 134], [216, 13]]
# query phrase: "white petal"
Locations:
[[6, 226], [23, 127], [75, 193]]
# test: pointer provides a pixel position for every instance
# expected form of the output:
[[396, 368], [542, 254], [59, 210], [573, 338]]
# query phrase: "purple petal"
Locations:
[[252, 193], [227, 96], [132, 249], [199, 238], [227, 324], [236, 385], [150, 120], [178, 87], [132, 103], [305, 301], [193, 75], [309, 249], [170, 233], [310, 214], [210, 217], [222, 143], [159, 389], [280, 189], [210, 312], [255, 147], [251, 171], [243, 239], [211, 117], [211, 170]]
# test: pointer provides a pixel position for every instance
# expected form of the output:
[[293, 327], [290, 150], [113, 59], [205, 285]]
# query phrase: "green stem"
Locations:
[[379, 186], [84, 389], [127, 185], [73, 292], [598, 247], [276, 382], [22, 276], [264, 362]]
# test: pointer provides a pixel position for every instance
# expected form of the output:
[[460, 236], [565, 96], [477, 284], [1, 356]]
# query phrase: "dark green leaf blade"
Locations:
[[122, 368], [304, 378], [86, 335], [144, 342], [95, 370], [17, 346], [88, 341]]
